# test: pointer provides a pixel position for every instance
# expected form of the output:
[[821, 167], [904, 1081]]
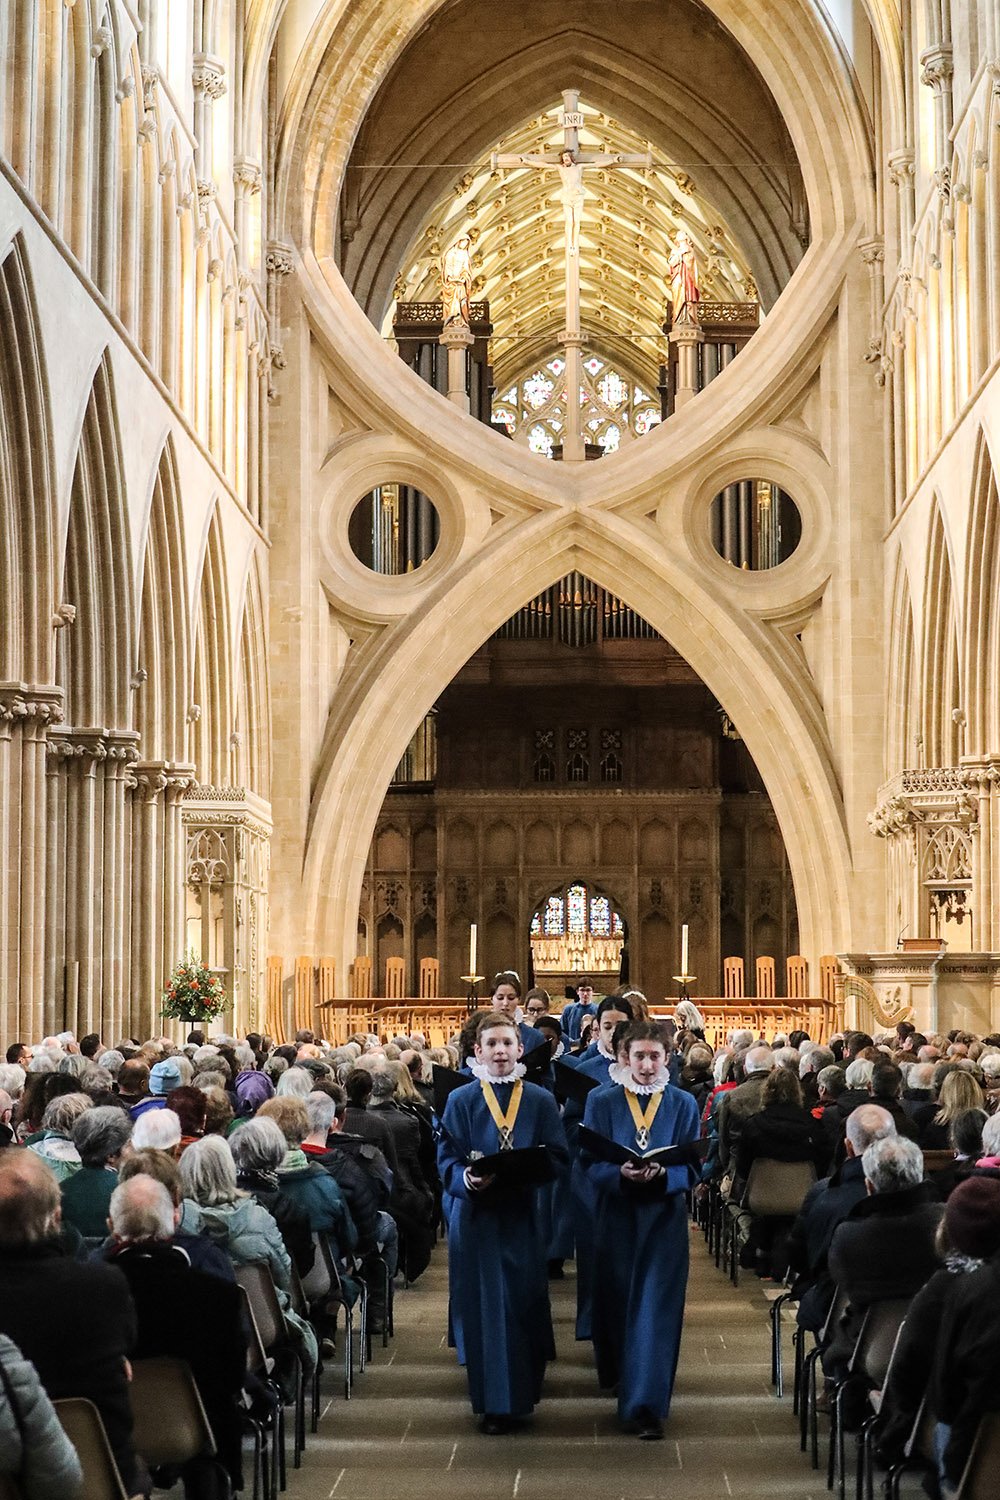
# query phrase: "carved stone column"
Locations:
[[457, 339], [687, 337], [25, 715], [937, 69]]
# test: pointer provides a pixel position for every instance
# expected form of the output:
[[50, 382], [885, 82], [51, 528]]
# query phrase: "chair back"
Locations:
[[775, 1189], [81, 1422], [256, 1280], [834, 1313], [395, 978], [877, 1339], [170, 1425], [937, 1161], [796, 977], [326, 980], [979, 1481], [257, 1361], [361, 978], [765, 979], [303, 995], [317, 1283], [274, 1010], [430, 979], [733, 979]]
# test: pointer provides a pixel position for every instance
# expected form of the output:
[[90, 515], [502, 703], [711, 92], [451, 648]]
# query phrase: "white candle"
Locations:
[[472, 949], [684, 950]]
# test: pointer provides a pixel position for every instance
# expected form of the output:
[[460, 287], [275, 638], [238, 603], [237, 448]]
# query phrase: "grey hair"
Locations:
[[112, 1060], [322, 1111], [44, 1060], [989, 1063], [74, 1063], [383, 1083], [156, 1130], [141, 1209], [832, 1079], [893, 1164], [295, 1081], [921, 1075], [859, 1073], [63, 1112], [101, 1133], [866, 1125], [787, 1057], [244, 1055], [206, 1081], [208, 1172], [258, 1146], [740, 1039], [184, 1068], [205, 1054], [759, 1060], [275, 1066], [12, 1077], [991, 1136], [815, 1060]]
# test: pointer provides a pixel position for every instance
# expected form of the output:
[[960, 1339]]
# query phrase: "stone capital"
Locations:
[[208, 76], [279, 259], [872, 252], [247, 174], [29, 705], [936, 68]]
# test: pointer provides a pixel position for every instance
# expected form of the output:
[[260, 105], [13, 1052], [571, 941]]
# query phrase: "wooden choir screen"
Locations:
[[796, 977], [302, 996], [430, 979], [395, 978], [361, 978], [733, 986], [274, 1019], [765, 979]]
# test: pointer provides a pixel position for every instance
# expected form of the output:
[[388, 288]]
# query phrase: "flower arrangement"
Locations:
[[194, 993]]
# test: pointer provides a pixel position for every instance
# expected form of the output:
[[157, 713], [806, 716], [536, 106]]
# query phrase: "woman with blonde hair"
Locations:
[[959, 1092]]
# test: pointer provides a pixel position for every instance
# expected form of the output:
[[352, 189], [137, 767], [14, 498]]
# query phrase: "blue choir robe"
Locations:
[[640, 1253], [583, 1199], [498, 1276]]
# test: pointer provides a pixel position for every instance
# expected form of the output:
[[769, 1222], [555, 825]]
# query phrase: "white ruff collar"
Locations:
[[481, 1071], [605, 1051], [623, 1076]]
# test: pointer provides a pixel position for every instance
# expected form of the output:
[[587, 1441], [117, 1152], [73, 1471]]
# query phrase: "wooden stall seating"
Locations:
[[274, 1016], [765, 979], [361, 978], [829, 973], [326, 982], [395, 978], [430, 979], [303, 1018], [733, 979]]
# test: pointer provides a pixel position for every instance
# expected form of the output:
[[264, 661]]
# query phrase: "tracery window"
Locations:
[[577, 909], [615, 408]]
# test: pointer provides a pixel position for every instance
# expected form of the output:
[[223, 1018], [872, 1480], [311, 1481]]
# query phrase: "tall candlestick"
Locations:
[[684, 949], [472, 949]]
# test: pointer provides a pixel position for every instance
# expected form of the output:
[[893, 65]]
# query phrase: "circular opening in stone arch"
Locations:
[[755, 524], [394, 529]]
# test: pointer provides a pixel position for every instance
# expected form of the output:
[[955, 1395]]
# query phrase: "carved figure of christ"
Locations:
[[570, 162]]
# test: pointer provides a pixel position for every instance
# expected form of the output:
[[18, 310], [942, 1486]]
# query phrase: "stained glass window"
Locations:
[[612, 406], [576, 906], [613, 390], [536, 925], [537, 390], [554, 920], [600, 916], [617, 930], [610, 438], [645, 421], [540, 440]]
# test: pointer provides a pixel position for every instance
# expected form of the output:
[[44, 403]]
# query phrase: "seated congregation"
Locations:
[[221, 1226]]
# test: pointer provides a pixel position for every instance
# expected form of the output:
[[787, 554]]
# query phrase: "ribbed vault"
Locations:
[[516, 225], [670, 75]]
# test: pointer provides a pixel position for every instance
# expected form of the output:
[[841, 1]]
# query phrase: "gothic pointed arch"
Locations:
[[27, 598], [941, 679], [164, 642], [982, 596], [253, 702], [900, 708], [212, 674], [95, 655]]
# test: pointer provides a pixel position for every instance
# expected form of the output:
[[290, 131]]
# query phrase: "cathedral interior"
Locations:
[[332, 627]]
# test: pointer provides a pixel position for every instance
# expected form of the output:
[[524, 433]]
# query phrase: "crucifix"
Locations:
[[570, 162]]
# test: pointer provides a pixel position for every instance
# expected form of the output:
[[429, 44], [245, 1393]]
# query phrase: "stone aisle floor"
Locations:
[[409, 1432]]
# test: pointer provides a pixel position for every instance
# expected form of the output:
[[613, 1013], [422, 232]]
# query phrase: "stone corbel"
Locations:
[[279, 259], [103, 37], [247, 175], [208, 75]]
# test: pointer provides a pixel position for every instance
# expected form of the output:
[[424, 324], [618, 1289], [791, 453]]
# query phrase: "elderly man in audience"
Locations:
[[99, 1135], [885, 1248], [918, 1087], [812, 1060], [886, 1087], [827, 1205], [201, 1251], [736, 1108], [74, 1320], [174, 1305]]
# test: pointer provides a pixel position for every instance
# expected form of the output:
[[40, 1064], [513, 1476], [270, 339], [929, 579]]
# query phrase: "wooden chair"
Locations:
[[870, 1360], [796, 977], [303, 1017], [765, 979], [733, 979], [169, 1422], [430, 979], [81, 1422], [274, 1018], [774, 1190], [256, 1280], [326, 981], [395, 978], [268, 1427], [361, 978]]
